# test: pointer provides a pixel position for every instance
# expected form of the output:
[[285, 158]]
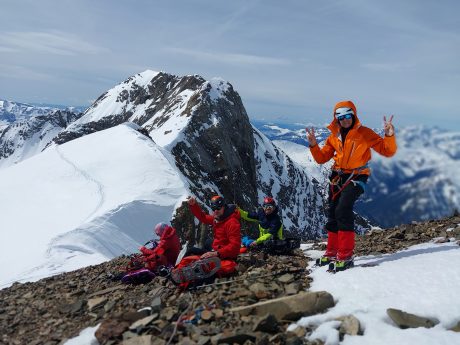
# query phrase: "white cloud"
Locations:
[[57, 42], [231, 58], [8, 50], [23, 73], [385, 67]]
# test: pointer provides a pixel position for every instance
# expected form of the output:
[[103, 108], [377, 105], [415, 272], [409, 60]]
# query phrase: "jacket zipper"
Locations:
[[351, 152]]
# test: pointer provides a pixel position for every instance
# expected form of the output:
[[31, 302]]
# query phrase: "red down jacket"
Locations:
[[167, 250], [227, 230]]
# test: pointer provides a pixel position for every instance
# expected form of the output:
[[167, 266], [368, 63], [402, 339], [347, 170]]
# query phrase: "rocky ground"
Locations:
[[253, 307]]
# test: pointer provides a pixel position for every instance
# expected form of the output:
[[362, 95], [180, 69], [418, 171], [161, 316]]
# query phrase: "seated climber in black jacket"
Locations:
[[270, 224]]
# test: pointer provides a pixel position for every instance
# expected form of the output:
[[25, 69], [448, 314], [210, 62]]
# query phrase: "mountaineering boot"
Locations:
[[324, 260], [197, 270], [346, 246], [331, 250], [340, 265]]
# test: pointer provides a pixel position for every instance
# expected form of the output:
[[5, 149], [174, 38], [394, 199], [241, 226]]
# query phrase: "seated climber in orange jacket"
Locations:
[[349, 144], [167, 250]]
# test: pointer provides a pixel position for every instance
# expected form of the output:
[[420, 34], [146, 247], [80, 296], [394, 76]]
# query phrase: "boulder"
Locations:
[[290, 307], [405, 320]]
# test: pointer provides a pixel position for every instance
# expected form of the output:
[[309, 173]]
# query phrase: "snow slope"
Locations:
[[421, 280], [84, 202]]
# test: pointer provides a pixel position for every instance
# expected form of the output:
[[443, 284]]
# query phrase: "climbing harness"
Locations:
[[336, 181]]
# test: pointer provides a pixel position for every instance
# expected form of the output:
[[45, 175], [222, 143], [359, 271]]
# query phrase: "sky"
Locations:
[[289, 61]]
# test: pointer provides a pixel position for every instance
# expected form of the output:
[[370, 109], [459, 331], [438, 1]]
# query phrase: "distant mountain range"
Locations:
[[420, 182], [15, 111], [26, 129]]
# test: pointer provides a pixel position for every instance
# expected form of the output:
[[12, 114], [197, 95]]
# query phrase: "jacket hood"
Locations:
[[230, 211], [334, 126], [168, 233]]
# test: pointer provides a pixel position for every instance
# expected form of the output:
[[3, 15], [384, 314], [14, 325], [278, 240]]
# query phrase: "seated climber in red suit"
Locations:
[[167, 250]]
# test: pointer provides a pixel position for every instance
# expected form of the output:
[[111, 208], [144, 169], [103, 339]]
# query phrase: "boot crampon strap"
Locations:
[[341, 265], [324, 260]]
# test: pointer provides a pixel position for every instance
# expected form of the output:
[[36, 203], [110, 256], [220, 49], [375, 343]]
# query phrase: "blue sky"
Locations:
[[289, 60]]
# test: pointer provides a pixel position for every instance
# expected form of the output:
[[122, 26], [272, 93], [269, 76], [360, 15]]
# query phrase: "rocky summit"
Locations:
[[255, 306]]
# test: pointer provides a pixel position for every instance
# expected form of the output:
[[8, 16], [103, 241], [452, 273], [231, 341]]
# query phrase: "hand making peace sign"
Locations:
[[388, 126], [311, 136]]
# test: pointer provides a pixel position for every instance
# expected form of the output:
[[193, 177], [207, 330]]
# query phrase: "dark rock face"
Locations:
[[217, 139], [89, 128], [217, 155]]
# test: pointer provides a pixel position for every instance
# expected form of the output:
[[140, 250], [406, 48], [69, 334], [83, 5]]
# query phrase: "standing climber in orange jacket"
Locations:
[[349, 144]]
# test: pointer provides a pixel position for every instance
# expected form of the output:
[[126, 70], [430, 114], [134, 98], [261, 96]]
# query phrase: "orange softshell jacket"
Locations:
[[355, 153]]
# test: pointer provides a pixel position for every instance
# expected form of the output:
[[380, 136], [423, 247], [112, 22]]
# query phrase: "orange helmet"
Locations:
[[217, 202]]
